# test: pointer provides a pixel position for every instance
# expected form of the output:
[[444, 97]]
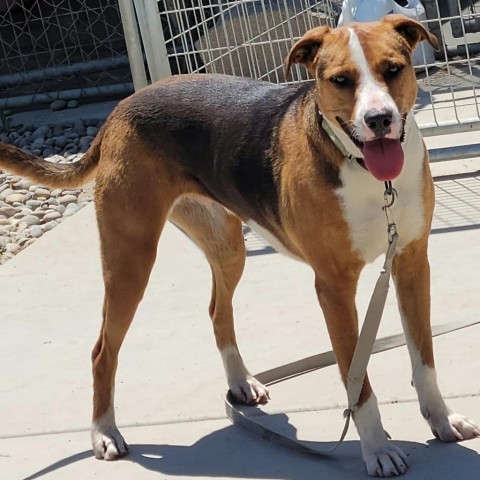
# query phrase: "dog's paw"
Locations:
[[249, 390], [108, 443], [386, 460], [453, 427]]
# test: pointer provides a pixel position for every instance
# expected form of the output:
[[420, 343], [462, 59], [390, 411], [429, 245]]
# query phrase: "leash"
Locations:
[[371, 324], [366, 346], [242, 416]]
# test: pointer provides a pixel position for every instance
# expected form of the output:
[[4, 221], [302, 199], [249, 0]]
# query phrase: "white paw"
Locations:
[[108, 443], [249, 390], [245, 387], [453, 427], [382, 458], [386, 460]]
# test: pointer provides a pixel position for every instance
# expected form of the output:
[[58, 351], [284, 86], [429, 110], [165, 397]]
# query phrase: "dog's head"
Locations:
[[365, 82]]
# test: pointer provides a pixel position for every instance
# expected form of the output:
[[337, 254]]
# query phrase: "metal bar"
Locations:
[[18, 79], [119, 89], [134, 46], [153, 40], [450, 128], [171, 42], [458, 152], [156, 35]]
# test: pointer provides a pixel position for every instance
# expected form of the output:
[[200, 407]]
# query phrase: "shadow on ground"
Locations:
[[232, 453]]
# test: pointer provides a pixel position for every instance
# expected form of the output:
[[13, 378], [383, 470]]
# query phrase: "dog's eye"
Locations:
[[340, 81], [393, 71]]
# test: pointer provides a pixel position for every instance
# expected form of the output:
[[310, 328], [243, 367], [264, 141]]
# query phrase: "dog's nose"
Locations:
[[379, 121]]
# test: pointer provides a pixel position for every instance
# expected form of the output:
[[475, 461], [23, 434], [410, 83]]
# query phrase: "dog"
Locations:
[[304, 165]]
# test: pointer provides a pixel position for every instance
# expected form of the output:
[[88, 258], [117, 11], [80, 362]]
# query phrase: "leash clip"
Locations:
[[392, 233], [390, 195], [350, 411], [347, 414]]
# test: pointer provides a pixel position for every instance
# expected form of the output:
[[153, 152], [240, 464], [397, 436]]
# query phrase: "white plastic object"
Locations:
[[371, 10]]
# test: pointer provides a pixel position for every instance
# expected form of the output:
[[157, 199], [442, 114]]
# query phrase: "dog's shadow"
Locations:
[[231, 452]]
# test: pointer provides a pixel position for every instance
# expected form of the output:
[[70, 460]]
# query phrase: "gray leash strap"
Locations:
[[245, 416], [366, 345], [371, 324], [356, 373]]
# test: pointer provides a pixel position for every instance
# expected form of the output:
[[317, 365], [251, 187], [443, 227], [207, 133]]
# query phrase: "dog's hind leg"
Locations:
[[219, 234], [132, 206]]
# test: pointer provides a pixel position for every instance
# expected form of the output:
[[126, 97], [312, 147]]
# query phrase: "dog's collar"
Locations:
[[336, 140], [327, 128]]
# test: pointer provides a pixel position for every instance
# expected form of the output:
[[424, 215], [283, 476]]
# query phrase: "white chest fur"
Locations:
[[361, 198]]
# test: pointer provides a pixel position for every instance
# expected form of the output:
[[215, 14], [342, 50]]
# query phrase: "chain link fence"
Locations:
[[76, 48], [68, 49]]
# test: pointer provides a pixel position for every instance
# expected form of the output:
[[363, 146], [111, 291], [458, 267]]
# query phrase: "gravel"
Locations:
[[58, 105], [28, 210]]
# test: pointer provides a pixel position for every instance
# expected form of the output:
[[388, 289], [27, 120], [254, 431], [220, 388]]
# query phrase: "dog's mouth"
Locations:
[[346, 128], [382, 157]]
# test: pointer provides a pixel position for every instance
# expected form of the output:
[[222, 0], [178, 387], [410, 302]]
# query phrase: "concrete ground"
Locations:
[[170, 383]]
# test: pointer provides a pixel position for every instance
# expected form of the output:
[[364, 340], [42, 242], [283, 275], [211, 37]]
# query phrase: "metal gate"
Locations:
[[252, 38]]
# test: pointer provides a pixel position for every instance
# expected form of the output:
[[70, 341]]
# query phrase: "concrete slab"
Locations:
[[216, 449], [170, 383]]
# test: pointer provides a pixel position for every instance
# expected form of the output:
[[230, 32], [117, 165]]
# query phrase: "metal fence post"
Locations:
[[153, 40], [134, 46]]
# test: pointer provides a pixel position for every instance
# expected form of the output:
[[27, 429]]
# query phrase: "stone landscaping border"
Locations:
[[28, 210]]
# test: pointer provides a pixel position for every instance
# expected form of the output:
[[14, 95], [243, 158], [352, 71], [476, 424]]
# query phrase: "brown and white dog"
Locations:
[[209, 151]]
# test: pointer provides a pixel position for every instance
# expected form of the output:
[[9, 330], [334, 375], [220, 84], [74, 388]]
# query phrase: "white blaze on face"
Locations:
[[371, 95]]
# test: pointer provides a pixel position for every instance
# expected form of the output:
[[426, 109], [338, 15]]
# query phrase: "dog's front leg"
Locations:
[[337, 299], [411, 272]]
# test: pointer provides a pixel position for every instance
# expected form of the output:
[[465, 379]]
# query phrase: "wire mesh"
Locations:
[[457, 208], [246, 37], [449, 89], [252, 38], [61, 45], [457, 203]]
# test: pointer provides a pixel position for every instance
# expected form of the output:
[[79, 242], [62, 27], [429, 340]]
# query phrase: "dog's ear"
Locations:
[[412, 31], [306, 49]]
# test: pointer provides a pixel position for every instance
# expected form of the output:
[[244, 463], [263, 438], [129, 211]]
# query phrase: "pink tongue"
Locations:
[[383, 158]]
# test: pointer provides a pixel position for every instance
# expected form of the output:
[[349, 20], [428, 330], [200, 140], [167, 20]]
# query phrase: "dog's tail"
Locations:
[[54, 175]]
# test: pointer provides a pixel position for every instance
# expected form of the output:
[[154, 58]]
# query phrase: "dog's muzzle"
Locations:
[[383, 157]]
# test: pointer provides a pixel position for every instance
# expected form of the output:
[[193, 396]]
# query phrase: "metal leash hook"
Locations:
[[389, 197]]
